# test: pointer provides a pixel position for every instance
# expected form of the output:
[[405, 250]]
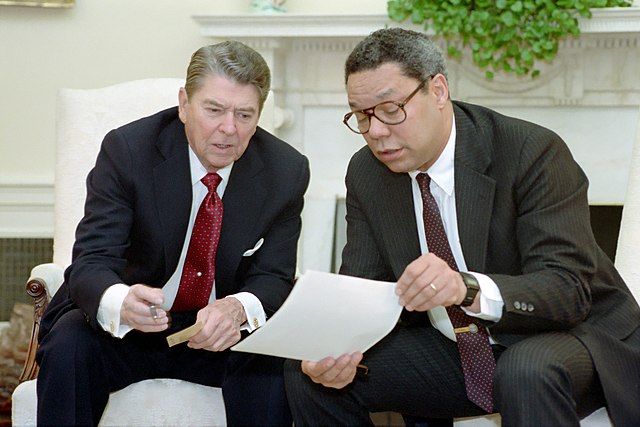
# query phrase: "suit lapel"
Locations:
[[173, 191], [398, 221], [474, 190], [243, 202]]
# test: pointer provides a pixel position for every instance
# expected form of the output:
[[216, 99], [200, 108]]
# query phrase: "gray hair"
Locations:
[[233, 60], [416, 54]]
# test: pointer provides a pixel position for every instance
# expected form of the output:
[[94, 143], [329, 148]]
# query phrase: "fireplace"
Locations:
[[590, 96]]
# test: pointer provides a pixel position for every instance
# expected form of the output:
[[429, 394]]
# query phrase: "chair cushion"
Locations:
[[157, 402]]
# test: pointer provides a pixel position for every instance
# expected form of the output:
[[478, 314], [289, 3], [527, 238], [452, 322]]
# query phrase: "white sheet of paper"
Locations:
[[327, 314]]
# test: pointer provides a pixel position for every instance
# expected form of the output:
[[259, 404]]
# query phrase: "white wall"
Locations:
[[96, 43]]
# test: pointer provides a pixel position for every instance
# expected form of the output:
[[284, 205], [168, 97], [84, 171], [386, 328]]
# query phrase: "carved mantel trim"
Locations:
[[293, 26]]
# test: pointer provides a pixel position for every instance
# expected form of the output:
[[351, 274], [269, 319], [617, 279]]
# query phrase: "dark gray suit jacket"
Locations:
[[523, 219], [137, 211]]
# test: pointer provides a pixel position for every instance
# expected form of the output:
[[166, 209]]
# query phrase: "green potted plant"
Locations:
[[507, 36]]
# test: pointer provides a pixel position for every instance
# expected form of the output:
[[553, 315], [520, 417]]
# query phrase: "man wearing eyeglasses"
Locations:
[[483, 222]]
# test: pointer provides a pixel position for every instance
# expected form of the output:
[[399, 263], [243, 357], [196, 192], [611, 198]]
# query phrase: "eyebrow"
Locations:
[[213, 102]]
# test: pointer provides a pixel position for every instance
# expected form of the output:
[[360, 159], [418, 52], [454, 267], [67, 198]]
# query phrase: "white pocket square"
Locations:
[[254, 249]]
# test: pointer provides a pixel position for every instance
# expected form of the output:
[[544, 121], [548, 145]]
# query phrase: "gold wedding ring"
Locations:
[[153, 311], [433, 287]]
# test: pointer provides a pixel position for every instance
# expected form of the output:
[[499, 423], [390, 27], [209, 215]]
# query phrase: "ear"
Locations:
[[183, 100], [440, 88]]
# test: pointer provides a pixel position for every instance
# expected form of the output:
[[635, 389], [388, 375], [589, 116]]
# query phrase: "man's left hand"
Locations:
[[221, 322], [334, 373]]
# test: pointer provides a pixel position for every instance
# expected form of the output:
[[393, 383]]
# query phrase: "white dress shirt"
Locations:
[[442, 188], [109, 310]]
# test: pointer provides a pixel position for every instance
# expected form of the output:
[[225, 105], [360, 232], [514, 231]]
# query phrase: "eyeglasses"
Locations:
[[388, 112]]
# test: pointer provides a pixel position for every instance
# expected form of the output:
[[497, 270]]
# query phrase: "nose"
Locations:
[[377, 128], [228, 123]]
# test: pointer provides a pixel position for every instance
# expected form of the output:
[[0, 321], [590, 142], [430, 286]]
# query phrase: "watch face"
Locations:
[[472, 289]]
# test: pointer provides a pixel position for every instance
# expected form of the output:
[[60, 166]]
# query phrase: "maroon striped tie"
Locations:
[[478, 362], [199, 269]]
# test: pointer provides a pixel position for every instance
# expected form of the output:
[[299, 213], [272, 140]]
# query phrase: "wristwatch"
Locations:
[[472, 289]]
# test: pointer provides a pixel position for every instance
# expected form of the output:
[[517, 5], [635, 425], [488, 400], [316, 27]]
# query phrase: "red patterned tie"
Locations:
[[478, 362], [199, 269]]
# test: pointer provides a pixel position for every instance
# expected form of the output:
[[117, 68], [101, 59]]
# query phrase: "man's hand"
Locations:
[[221, 322], [334, 373], [429, 282], [136, 309]]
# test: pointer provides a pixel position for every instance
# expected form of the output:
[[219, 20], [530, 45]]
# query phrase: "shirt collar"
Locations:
[[441, 172]]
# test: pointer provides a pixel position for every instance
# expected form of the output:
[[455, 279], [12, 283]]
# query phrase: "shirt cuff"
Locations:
[[109, 310], [491, 302], [256, 316]]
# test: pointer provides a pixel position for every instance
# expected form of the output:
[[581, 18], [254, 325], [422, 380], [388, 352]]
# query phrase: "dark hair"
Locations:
[[233, 60], [416, 54]]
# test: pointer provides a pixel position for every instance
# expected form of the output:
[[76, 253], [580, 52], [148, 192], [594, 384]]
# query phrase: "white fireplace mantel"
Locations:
[[608, 48], [291, 26], [589, 95]]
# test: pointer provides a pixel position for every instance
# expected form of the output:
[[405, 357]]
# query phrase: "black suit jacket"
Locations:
[[137, 211], [523, 219]]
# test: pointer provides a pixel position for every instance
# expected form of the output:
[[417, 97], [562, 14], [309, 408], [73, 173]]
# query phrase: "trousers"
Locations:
[[544, 380], [80, 366]]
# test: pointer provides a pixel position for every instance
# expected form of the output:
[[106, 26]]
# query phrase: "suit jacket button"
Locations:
[[516, 304], [530, 308]]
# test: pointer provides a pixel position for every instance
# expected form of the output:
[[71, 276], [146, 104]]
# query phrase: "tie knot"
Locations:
[[211, 180], [424, 181]]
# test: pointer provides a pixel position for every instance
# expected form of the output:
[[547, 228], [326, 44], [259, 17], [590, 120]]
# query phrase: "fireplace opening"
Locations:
[[605, 223]]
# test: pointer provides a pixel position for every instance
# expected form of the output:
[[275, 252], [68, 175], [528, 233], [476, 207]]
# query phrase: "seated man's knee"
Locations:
[[526, 368], [69, 339]]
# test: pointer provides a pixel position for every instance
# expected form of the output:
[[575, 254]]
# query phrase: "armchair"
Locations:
[[83, 118]]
